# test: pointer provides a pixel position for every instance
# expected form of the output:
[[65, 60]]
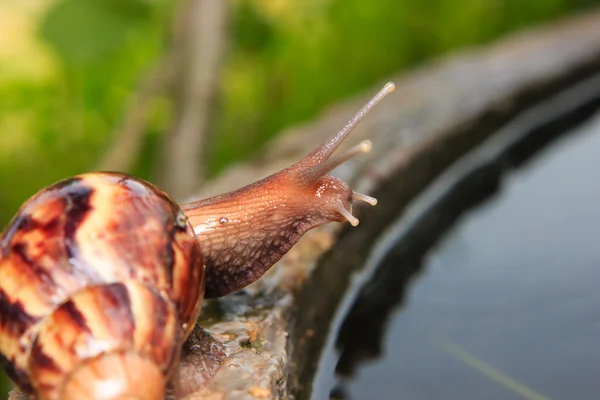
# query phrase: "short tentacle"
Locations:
[[348, 215], [364, 198]]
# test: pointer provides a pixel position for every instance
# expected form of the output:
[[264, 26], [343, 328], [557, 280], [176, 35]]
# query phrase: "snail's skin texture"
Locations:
[[102, 276], [97, 266], [201, 357]]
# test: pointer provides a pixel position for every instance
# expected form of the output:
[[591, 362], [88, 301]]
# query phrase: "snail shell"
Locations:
[[99, 274]]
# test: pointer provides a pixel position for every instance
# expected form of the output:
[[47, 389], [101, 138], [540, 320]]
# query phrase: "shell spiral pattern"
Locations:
[[100, 275]]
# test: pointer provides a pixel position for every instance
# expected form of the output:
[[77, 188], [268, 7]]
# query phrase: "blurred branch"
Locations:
[[128, 138], [200, 38]]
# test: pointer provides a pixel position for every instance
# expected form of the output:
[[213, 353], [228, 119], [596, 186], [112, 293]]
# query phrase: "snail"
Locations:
[[102, 275]]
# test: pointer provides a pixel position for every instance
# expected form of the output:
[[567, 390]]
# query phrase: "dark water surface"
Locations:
[[508, 302]]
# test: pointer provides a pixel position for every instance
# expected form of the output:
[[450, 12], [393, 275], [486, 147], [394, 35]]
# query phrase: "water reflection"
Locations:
[[513, 286]]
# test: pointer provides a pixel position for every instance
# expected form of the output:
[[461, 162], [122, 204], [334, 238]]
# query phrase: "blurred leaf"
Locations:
[[85, 31], [134, 9], [252, 31]]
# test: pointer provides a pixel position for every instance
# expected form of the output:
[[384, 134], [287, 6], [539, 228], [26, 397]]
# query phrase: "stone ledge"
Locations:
[[437, 114]]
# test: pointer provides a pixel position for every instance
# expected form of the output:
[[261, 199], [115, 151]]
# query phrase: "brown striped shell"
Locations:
[[102, 268]]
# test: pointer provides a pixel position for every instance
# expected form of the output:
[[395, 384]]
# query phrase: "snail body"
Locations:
[[102, 276]]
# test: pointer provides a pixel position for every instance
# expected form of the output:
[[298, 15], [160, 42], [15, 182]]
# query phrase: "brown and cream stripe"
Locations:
[[98, 265]]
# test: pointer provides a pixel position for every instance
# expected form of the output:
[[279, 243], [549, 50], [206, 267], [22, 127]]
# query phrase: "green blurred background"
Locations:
[[69, 68]]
